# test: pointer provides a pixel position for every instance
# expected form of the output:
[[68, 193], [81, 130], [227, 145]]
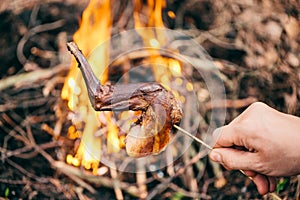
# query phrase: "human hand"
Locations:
[[271, 140]]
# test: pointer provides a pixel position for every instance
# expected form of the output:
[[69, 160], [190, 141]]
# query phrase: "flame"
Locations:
[[113, 143], [150, 38], [171, 14], [154, 13], [95, 28]]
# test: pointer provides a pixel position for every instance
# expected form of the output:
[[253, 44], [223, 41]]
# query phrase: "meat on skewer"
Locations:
[[150, 134]]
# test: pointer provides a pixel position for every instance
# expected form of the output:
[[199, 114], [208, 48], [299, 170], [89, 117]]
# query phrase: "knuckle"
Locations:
[[259, 166], [243, 130], [257, 106]]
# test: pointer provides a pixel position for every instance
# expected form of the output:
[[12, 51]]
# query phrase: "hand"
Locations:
[[271, 140]]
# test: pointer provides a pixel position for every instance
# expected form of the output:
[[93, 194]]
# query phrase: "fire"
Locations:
[[154, 13], [95, 28]]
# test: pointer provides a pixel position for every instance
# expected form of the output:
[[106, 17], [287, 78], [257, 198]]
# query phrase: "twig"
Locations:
[[116, 182], [141, 178], [197, 62], [33, 76], [13, 182], [237, 103], [169, 159], [218, 174], [80, 182], [50, 85], [25, 172], [25, 104], [164, 185], [199, 164], [193, 137], [17, 132], [97, 180], [274, 196], [20, 152], [17, 6], [189, 177], [33, 31], [33, 15], [54, 165], [208, 36], [61, 186], [79, 192], [63, 54], [194, 195]]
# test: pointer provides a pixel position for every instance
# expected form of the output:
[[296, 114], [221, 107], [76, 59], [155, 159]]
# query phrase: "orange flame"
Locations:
[[95, 28], [152, 39]]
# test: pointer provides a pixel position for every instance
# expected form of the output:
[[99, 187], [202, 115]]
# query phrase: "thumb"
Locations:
[[233, 159]]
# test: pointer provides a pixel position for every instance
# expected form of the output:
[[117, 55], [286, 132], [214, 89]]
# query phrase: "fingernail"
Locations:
[[215, 156]]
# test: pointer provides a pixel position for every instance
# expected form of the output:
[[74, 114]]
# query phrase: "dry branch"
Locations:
[[165, 183], [31, 77], [32, 32], [91, 178], [229, 103], [17, 6]]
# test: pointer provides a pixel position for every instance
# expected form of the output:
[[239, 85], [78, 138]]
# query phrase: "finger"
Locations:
[[249, 173], [233, 159], [262, 183], [223, 137], [233, 135], [272, 183]]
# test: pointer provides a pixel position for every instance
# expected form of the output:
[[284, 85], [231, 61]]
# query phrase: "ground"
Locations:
[[255, 44]]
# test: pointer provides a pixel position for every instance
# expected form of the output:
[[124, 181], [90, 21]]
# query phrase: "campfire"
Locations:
[[152, 52]]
